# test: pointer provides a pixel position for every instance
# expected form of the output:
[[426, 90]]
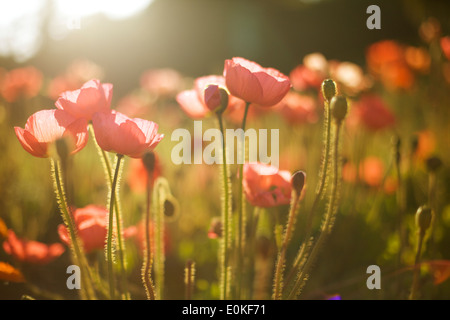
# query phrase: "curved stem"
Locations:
[[148, 258], [415, 283], [226, 217], [241, 209], [110, 229], [327, 224], [280, 265], [106, 162]]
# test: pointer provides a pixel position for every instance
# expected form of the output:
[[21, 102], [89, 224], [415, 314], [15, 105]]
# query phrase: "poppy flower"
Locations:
[[445, 46], [9, 273], [371, 112], [21, 82], [372, 171], [91, 224], [426, 144], [311, 73], [192, 102], [266, 186], [92, 97], [254, 84], [297, 108], [138, 232], [162, 82], [418, 59], [115, 132], [31, 251], [349, 76], [46, 126], [137, 174]]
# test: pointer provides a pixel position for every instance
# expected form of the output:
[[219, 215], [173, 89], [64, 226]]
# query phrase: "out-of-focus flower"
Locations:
[[137, 174], [3, 229], [91, 223], [193, 101], [418, 59], [78, 72], [115, 132], [31, 251], [430, 30], [254, 84], [311, 73], [162, 82], [297, 108], [92, 97], [21, 82], [134, 105], [46, 126], [9, 273], [349, 76], [138, 232], [426, 144], [266, 186], [386, 61], [372, 113], [445, 46], [372, 171], [440, 270]]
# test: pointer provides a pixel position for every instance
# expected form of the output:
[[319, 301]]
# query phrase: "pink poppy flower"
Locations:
[[252, 83], [21, 82], [91, 223], [162, 82], [266, 186], [371, 112], [92, 97], [31, 251], [115, 132], [193, 101], [46, 126], [297, 108]]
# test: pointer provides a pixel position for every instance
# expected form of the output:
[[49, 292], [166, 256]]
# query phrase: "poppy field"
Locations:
[[327, 180]]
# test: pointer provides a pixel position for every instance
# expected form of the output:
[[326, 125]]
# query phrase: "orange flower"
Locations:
[[9, 273], [3, 229], [22, 82], [266, 186], [418, 59], [445, 46], [371, 112], [372, 171], [426, 144], [137, 174], [31, 251], [252, 83], [91, 222], [46, 126]]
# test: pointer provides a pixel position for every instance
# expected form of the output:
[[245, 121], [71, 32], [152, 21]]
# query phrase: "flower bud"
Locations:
[[298, 182], [149, 160], [339, 108], [433, 164], [329, 89], [216, 98], [424, 215]]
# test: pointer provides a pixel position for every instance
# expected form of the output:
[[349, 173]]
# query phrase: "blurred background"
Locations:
[[61, 44]]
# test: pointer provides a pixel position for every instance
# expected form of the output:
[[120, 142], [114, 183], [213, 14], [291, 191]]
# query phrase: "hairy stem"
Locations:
[[148, 258], [415, 283]]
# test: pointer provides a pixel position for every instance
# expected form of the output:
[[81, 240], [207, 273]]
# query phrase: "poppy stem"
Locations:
[[281, 261], [241, 209], [148, 257], [225, 275], [75, 243], [189, 279], [326, 225], [109, 240], [106, 162], [415, 283]]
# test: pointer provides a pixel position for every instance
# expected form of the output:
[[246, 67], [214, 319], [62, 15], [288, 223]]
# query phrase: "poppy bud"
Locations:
[[216, 98], [339, 108], [298, 182], [329, 89], [424, 215], [149, 160], [433, 164]]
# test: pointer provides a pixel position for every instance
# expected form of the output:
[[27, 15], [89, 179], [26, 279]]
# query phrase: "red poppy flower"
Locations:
[[91, 223], [31, 251], [92, 97], [46, 126], [193, 101], [266, 186], [252, 83], [371, 112], [297, 108], [137, 174], [115, 132], [21, 82]]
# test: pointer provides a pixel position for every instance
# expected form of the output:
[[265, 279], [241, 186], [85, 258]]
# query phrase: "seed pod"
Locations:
[[298, 182], [433, 164], [149, 160], [424, 216], [339, 108], [329, 89]]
